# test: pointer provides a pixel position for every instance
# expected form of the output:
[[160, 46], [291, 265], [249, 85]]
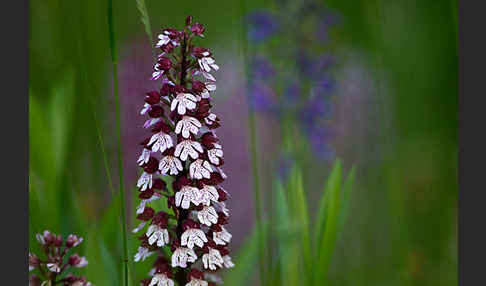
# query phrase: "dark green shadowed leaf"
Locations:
[[333, 183], [287, 238], [331, 212], [346, 197], [102, 267], [299, 217], [144, 17], [246, 261]]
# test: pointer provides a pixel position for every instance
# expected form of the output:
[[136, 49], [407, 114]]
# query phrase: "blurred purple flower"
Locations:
[[323, 86], [261, 25], [262, 98], [319, 140], [313, 67], [262, 68], [325, 21], [313, 109], [285, 164], [291, 93]]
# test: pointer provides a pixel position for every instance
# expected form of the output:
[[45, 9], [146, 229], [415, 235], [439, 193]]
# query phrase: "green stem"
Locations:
[[254, 164], [256, 190], [113, 50]]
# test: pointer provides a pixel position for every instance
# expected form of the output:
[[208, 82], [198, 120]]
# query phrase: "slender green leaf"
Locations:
[[346, 199], [287, 238], [114, 60], [102, 268], [245, 261], [333, 183], [328, 242], [299, 216], [142, 8]]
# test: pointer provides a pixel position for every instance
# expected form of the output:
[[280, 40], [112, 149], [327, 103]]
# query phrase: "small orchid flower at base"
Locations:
[[52, 264]]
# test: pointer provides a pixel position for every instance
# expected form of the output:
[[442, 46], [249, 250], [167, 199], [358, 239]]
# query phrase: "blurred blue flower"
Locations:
[[314, 109], [291, 93], [262, 68], [261, 25], [323, 86], [262, 98], [313, 67], [319, 140], [285, 164]]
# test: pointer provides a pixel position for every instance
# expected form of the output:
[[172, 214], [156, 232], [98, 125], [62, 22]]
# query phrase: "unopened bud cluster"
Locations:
[[50, 268]]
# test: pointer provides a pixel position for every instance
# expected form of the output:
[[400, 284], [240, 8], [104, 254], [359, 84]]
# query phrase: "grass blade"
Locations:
[[299, 216], [245, 260], [333, 182], [346, 200], [286, 238], [142, 8], [113, 50], [330, 211]]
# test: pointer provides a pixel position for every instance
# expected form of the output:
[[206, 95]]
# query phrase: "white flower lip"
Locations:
[[188, 148], [187, 125], [161, 142], [223, 237], [200, 169], [207, 216], [193, 236], [157, 234], [182, 102], [185, 196], [170, 164], [142, 253], [182, 255], [161, 280], [212, 259]]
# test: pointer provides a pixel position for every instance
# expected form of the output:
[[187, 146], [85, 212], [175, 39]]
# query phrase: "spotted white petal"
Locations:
[[188, 148], [197, 282], [222, 237], [163, 40], [139, 227], [151, 122], [182, 102], [82, 263], [146, 107], [227, 262], [210, 119], [157, 234], [193, 236], [145, 181], [53, 267], [161, 280], [183, 255], [141, 206], [212, 259], [206, 195], [208, 76], [214, 155], [187, 125], [185, 196], [210, 86], [157, 74], [207, 216], [221, 206], [170, 165], [142, 253], [161, 142], [200, 169], [144, 157]]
